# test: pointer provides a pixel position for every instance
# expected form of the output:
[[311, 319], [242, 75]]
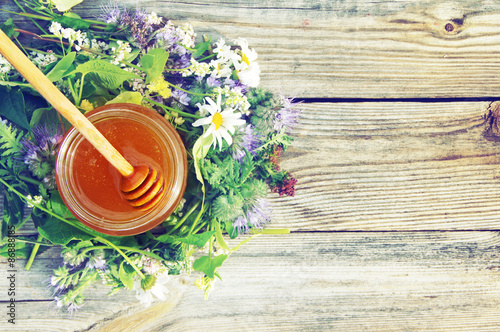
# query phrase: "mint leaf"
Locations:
[[59, 232], [208, 265], [62, 68], [105, 73], [153, 63], [12, 107]]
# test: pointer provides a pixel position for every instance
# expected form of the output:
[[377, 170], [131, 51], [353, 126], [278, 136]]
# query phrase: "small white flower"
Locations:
[[33, 200], [153, 18], [55, 28], [247, 69], [158, 289], [224, 52], [219, 123], [220, 68]]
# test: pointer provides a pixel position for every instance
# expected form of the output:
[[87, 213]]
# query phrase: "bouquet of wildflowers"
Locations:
[[233, 130]]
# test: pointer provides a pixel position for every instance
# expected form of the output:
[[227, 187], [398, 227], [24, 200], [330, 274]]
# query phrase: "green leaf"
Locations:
[[200, 150], [10, 139], [105, 73], [46, 115], [126, 274], [220, 239], [59, 232], [208, 265], [64, 5], [8, 27], [21, 250], [153, 63], [200, 48], [62, 68], [12, 107], [199, 240], [132, 97], [12, 214]]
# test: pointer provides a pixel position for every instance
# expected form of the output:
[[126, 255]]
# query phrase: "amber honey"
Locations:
[[90, 186]]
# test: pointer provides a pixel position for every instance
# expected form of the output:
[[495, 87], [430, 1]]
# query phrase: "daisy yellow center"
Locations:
[[244, 58], [217, 120]]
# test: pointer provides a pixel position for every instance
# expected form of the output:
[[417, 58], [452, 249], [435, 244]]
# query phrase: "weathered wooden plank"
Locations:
[[349, 281], [354, 49], [392, 166]]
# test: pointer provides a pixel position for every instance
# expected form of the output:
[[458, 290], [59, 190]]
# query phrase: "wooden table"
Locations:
[[395, 223]]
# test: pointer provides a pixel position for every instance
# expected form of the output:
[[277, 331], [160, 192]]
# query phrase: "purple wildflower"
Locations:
[[41, 152], [287, 116], [255, 217], [234, 84], [181, 96], [259, 214], [97, 262], [139, 27], [110, 13], [213, 82], [249, 141], [241, 225]]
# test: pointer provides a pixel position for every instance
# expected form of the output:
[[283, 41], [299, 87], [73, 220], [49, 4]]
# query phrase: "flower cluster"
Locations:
[[234, 131]]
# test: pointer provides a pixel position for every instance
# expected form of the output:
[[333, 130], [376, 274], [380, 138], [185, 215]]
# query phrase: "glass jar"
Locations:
[[90, 186]]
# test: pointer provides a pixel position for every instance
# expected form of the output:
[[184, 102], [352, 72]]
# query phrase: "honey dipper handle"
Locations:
[[65, 107]]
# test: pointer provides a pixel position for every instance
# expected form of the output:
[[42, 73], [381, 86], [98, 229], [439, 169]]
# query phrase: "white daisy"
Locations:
[[158, 289], [219, 123], [248, 70]]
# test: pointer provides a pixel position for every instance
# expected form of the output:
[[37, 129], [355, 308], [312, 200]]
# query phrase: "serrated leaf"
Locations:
[[59, 232], [153, 63], [105, 73], [62, 68], [208, 265], [9, 139]]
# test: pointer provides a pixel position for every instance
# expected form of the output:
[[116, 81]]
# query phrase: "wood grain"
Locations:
[[392, 166], [353, 49], [347, 281]]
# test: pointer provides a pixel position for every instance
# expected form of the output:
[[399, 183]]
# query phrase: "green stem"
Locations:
[[100, 239], [34, 242], [43, 52], [30, 180], [190, 92], [40, 17], [188, 213], [81, 90], [80, 227], [170, 109], [33, 254], [139, 251], [271, 231], [73, 92], [31, 19]]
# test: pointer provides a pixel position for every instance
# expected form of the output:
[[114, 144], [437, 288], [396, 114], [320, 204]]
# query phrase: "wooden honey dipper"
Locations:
[[142, 186]]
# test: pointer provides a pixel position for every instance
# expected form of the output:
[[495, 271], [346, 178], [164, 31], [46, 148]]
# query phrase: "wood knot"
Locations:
[[493, 120], [449, 27]]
